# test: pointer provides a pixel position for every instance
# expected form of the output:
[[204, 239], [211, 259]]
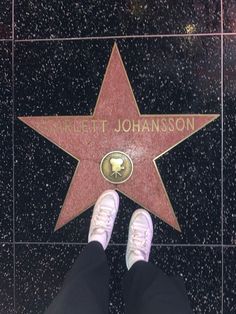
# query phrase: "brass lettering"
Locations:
[[84, 125], [136, 126], [128, 127], [167, 124], [103, 125], [171, 124], [67, 126], [145, 126], [94, 125], [190, 123], [155, 125], [180, 125], [77, 126], [163, 125], [119, 126]]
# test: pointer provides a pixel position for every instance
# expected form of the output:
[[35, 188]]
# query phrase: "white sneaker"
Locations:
[[104, 215], [140, 237]]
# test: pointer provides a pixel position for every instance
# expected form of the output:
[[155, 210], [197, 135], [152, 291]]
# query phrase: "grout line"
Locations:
[[122, 37], [229, 34], [13, 154], [124, 244], [222, 156], [187, 245], [7, 39], [115, 37], [118, 37]]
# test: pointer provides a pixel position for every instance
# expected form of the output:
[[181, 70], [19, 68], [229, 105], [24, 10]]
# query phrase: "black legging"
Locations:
[[147, 290]]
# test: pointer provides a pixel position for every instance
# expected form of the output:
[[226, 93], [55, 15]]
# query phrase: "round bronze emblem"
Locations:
[[116, 167]]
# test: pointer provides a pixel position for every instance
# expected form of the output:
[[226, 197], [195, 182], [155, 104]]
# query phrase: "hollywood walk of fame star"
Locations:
[[117, 125]]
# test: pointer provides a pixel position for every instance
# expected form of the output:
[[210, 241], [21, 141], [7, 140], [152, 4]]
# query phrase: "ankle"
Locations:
[[98, 238], [96, 243], [134, 259], [138, 263]]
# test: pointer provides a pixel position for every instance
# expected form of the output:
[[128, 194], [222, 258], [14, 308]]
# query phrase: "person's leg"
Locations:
[[85, 289], [147, 290]]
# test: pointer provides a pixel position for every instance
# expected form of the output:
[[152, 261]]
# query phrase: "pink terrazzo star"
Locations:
[[117, 125]]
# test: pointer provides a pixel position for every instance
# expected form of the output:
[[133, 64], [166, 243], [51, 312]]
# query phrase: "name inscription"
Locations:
[[165, 124]]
